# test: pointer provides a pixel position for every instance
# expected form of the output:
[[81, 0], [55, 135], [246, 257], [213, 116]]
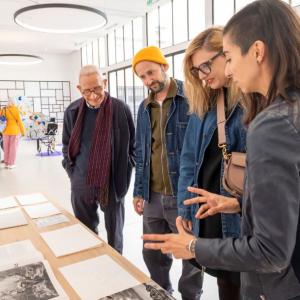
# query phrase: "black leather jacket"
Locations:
[[268, 252]]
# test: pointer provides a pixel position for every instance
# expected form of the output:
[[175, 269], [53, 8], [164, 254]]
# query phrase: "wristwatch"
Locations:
[[192, 246]]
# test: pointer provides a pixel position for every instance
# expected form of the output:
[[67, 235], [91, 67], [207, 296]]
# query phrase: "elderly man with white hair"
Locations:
[[98, 149]]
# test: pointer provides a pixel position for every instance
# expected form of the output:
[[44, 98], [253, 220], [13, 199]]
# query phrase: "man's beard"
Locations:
[[160, 85]]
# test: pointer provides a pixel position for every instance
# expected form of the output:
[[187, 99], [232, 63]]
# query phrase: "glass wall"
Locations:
[[95, 53], [153, 28], [196, 19], [111, 48], [83, 56], [128, 41], [180, 24], [166, 26], [89, 50], [222, 13], [137, 34], [102, 52], [119, 44]]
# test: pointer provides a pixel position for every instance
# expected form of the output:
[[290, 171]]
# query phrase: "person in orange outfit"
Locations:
[[11, 133]]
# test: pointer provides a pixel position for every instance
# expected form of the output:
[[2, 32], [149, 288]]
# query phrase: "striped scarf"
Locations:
[[98, 173]]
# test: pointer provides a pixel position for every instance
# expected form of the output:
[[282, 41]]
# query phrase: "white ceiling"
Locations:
[[15, 39]]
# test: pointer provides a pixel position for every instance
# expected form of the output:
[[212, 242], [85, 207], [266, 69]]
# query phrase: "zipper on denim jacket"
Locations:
[[162, 148], [165, 144]]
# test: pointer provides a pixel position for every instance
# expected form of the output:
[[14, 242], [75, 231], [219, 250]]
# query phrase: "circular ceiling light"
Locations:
[[60, 18], [19, 59]]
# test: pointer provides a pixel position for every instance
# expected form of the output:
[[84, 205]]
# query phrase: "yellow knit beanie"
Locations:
[[150, 53]]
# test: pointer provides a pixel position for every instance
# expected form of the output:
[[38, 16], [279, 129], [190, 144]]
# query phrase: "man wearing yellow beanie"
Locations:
[[161, 124]]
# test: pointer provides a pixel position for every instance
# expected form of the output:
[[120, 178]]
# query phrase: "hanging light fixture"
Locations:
[[19, 59], [60, 18]]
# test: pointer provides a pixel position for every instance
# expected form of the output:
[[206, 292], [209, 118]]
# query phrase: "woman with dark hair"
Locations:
[[201, 159], [262, 48]]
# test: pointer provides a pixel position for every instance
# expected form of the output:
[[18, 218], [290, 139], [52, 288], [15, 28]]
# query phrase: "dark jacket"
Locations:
[[197, 138], [122, 144], [268, 253], [174, 135]]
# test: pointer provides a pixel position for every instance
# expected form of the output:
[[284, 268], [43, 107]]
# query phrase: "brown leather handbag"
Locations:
[[234, 162]]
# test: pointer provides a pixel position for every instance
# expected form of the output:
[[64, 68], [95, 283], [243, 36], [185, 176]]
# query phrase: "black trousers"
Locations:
[[114, 215], [160, 217], [228, 290]]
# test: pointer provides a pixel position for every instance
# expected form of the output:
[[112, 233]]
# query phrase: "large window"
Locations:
[[165, 17], [170, 62], [121, 85], [111, 48], [102, 52], [129, 90], [180, 21], [128, 41], [89, 53], [140, 93], [112, 83], [239, 4], [137, 34], [178, 71], [196, 17], [119, 44], [95, 53], [222, 13], [153, 28], [83, 56]]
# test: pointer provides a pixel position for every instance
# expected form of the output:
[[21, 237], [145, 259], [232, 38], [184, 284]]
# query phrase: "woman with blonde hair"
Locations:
[[11, 133], [201, 159]]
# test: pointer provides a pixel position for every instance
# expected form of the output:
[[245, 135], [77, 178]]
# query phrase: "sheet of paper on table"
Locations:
[[22, 250], [8, 202], [12, 217], [98, 277], [143, 291], [52, 220], [41, 210], [30, 199], [70, 239]]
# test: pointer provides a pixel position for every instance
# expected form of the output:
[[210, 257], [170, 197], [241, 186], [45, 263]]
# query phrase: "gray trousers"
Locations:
[[113, 217], [159, 216]]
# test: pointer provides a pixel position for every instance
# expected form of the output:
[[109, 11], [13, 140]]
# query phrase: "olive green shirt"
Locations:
[[159, 179]]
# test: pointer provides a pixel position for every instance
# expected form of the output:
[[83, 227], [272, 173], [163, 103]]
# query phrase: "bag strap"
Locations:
[[221, 120]]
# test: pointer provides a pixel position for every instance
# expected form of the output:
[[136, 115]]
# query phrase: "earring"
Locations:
[[258, 59]]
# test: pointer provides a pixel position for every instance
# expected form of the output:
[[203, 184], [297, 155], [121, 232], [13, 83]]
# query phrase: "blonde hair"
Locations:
[[202, 98]]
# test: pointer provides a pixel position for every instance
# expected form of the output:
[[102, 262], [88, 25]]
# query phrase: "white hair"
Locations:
[[90, 70]]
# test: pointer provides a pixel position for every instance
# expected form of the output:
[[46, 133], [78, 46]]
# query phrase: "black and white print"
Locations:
[[27, 282], [144, 291]]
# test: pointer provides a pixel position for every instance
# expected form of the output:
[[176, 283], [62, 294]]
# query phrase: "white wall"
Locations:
[[74, 65], [52, 68], [55, 67]]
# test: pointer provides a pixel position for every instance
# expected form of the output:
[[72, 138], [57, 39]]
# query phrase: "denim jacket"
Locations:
[[198, 136], [174, 136]]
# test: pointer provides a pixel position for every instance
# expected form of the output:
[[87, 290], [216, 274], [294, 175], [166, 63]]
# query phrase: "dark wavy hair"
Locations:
[[277, 25]]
